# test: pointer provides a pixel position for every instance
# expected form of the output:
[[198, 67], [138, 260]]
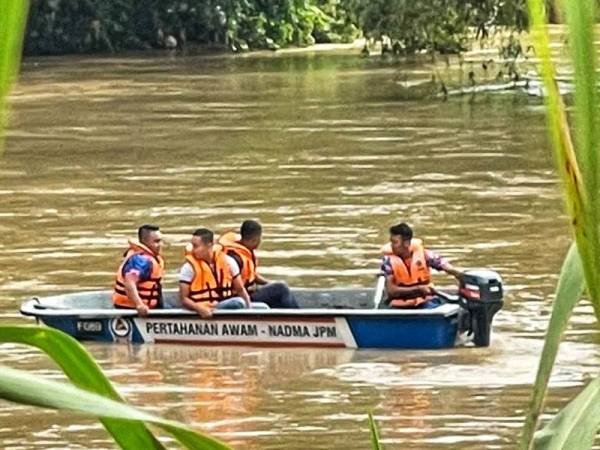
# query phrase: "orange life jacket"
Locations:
[[418, 274], [210, 282], [150, 290], [245, 257]]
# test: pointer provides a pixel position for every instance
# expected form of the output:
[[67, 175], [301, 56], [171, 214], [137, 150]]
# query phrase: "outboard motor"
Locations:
[[480, 293]]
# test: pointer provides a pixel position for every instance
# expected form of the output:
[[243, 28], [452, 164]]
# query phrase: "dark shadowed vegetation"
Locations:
[[82, 26], [444, 26]]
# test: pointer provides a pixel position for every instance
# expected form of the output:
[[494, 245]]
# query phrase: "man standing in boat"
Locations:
[[139, 277], [275, 294], [406, 266], [210, 279]]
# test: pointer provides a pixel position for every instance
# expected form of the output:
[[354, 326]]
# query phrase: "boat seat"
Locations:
[[336, 299]]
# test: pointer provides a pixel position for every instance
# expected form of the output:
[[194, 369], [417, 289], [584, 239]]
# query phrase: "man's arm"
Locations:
[[204, 309], [438, 263], [394, 291], [236, 283], [131, 280], [137, 268], [452, 271], [260, 280], [186, 276], [240, 290]]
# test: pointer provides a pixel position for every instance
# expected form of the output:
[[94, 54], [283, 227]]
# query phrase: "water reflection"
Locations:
[[221, 390]]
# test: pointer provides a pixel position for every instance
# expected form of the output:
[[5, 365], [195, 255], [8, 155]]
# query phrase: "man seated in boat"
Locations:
[[209, 279], [138, 280], [241, 248], [406, 266]]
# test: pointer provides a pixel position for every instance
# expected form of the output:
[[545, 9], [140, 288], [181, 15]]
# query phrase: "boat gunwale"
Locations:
[[34, 308]]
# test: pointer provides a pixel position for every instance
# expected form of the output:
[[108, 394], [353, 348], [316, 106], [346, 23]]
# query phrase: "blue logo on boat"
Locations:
[[120, 327]]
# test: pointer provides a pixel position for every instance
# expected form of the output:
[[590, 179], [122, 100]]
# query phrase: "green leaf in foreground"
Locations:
[[85, 373], [13, 15], [575, 426], [22, 387], [580, 187], [577, 198], [580, 16], [580, 20], [568, 292], [376, 445]]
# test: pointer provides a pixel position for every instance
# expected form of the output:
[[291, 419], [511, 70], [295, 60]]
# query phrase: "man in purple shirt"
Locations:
[[138, 279], [406, 265]]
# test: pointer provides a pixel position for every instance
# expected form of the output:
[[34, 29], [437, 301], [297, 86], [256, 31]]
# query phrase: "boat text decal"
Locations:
[[323, 331]]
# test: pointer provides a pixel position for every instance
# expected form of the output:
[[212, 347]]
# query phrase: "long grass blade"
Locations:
[[575, 426], [580, 16], [568, 292], [13, 15], [375, 441], [22, 387], [84, 372], [576, 195], [580, 187]]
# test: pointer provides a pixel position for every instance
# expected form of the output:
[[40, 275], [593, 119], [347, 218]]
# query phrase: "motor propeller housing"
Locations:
[[480, 292]]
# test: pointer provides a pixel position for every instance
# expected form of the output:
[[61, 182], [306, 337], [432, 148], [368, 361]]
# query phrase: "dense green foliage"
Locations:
[[435, 25], [76, 26]]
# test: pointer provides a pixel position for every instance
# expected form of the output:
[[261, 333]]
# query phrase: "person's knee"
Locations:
[[232, 303], [280, 288], [259, 305], [286, 297], [240, 303]]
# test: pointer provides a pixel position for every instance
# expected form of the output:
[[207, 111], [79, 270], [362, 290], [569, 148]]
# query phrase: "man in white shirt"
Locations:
[[210, 279]]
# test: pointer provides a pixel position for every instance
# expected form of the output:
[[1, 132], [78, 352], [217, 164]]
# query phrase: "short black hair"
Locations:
[[145, 229], [402, 230], [250, 229], [205, 235]]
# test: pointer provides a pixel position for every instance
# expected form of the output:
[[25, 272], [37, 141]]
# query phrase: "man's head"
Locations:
[[202, 244], [251, 232], [150, 236], [400, 236]]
